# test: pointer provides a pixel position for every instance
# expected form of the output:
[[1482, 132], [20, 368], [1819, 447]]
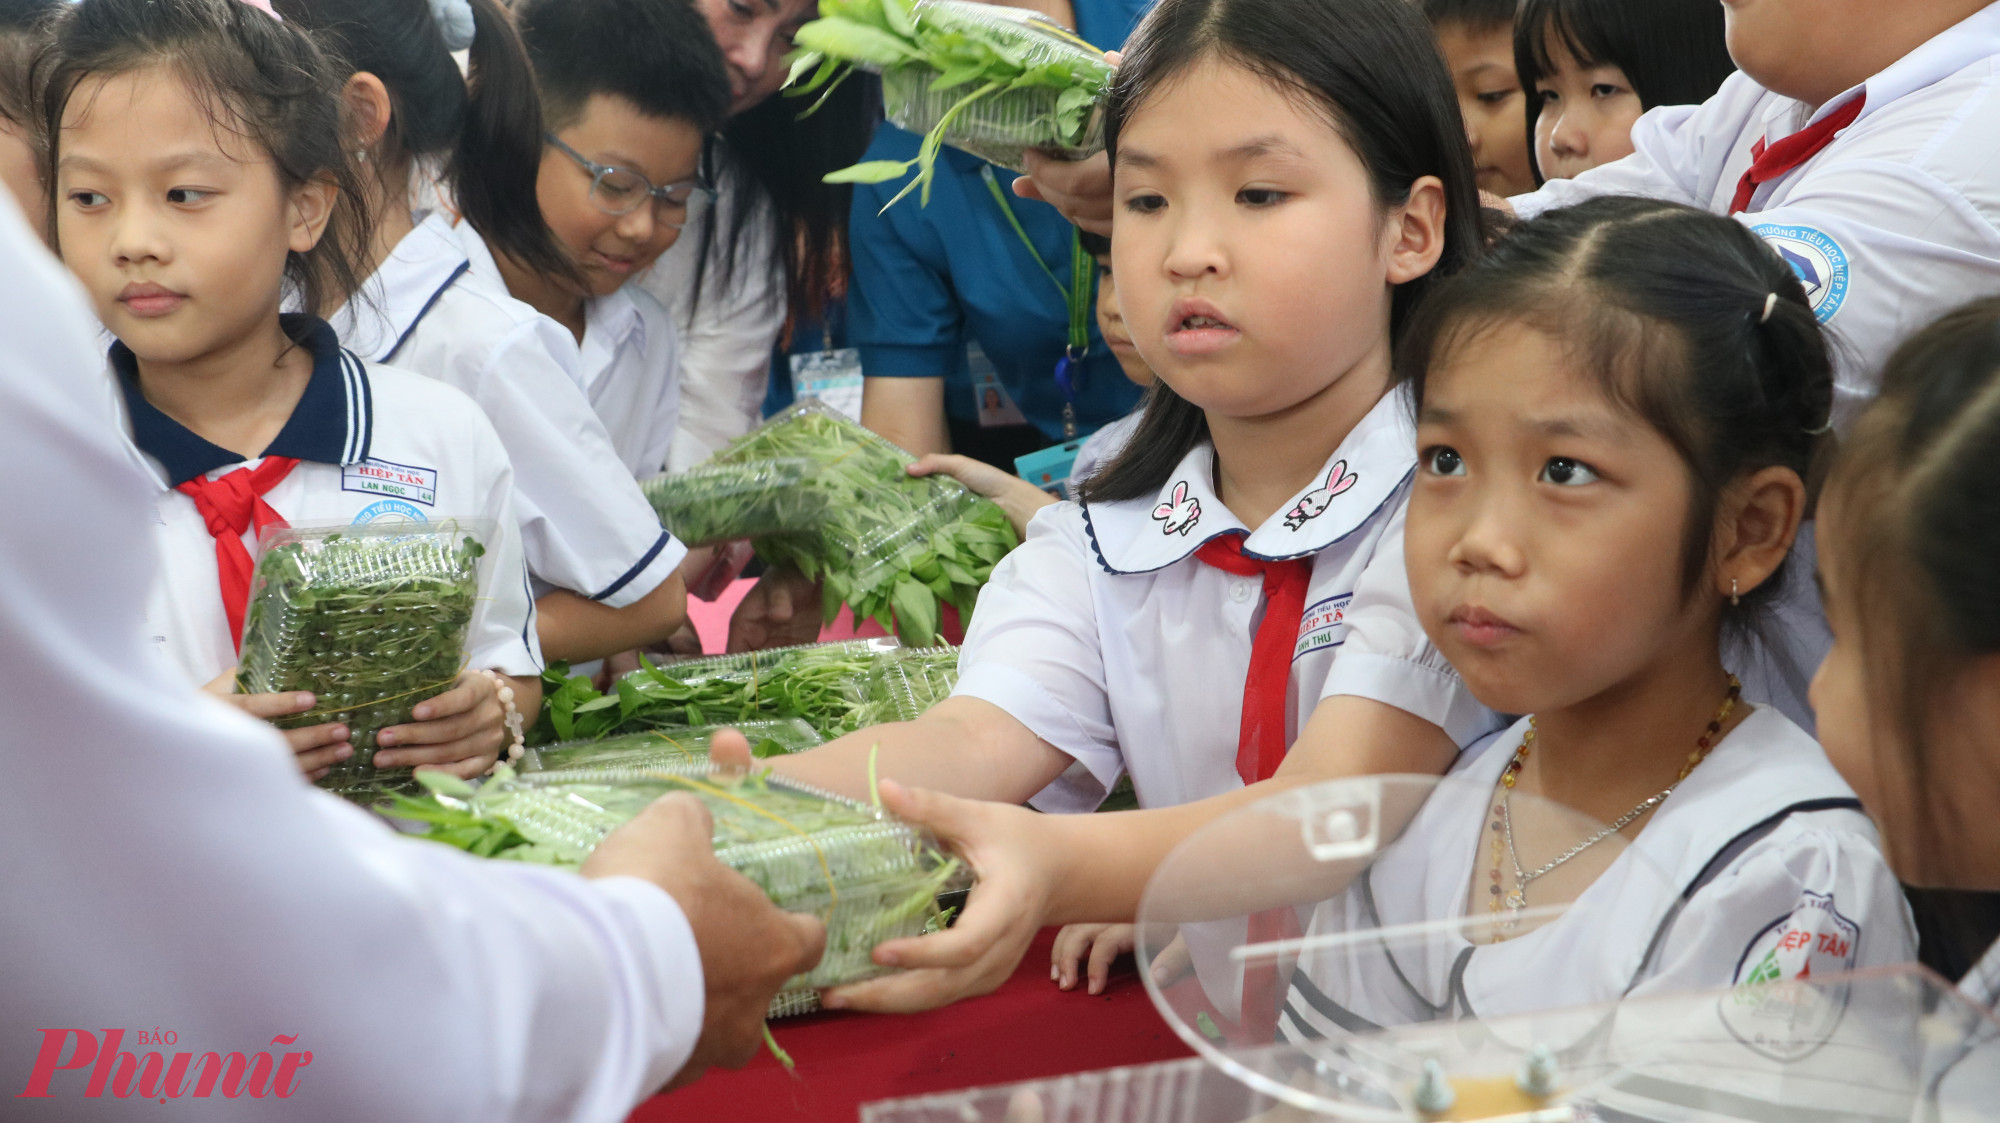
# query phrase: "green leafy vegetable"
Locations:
[[721, 502], [832, 688], [869, 877], [665, 745], [989, 79], [372, 622], [891, 546]]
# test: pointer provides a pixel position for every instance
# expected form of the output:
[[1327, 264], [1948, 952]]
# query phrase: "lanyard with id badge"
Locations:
[[1049, 469]]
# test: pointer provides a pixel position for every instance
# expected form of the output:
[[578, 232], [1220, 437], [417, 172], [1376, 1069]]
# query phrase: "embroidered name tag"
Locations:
[[1324, 625], [397, 481]]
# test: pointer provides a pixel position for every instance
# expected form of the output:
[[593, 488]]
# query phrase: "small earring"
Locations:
[[1735, 600]]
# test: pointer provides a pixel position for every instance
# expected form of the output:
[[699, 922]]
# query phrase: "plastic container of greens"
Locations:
[[915, 680], [867, 876], [892, 546], [655, 747], [723, 502], [371, 619], [1001, 126]]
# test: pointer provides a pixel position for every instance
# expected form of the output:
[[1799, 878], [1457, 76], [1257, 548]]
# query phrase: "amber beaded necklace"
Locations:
[[1502, 825]]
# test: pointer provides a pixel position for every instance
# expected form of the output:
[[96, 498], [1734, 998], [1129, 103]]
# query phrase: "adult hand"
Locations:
[[1016, 496], [1016, 869], [780, 610], [462, 731], [1080, 189], [748, 946], [317, 748]]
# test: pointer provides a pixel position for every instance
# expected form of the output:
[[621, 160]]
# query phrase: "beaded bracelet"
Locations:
[[513, 721]]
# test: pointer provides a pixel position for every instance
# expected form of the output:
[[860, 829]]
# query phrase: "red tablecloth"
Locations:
[[1026, 1030]]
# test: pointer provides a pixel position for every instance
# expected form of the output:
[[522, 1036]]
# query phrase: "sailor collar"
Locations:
[[332, 424], [380, 318], [1363, 474]]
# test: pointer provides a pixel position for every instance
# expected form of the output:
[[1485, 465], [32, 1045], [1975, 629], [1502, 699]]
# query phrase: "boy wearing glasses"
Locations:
[[629, 91]]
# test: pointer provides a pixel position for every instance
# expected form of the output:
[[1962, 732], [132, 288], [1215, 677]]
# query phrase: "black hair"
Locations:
[[1475, 15], [1665, 306], [1374, 68], [22, 23], [1674, 51], [486, 124], [1096, 245], [256, 77], [1916, 528], [657, 54], [772, 160]]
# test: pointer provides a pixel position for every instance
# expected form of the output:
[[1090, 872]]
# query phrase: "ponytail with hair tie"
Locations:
[[455, 21]]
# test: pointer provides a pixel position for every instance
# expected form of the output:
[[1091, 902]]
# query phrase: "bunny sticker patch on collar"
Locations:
[[1315, 502], [1180, 515]]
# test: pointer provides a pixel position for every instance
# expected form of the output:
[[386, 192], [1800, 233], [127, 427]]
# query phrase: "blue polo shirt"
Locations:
[[930, 279]]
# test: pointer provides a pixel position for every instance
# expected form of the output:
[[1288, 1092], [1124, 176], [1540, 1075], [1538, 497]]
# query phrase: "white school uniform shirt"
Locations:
[[1102, 447], [169, 864], [1110, 640], [1889, 226], [375, 444], [726, 338], [630, 373], [625, 364], [1771, 870], [584, 523]]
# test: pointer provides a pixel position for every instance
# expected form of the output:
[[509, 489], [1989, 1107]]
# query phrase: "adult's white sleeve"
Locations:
[[168, 869], [1034, 651], [1389, 659]]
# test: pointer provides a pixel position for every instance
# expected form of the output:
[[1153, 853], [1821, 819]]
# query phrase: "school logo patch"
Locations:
[[1818, 260], [1323, 626], [1788, 995], [395, 481], [389, 510], [1180, 514]]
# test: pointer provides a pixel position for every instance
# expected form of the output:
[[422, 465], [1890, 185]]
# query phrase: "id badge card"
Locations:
[[834, 377], [995, 405], [1049, 469]]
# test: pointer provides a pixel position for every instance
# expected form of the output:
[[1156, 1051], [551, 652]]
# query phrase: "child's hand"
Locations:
[[1102, 943], [1016, 867], [317, 747], [462, 731], [1016, 496]]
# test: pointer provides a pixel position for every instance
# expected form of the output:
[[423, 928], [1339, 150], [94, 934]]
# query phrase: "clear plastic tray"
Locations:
[[1001, 127], [1906, 1048], [889, 539], [654, 747], [371, 619], [725, 502], [868, 876], [916, 679], [817, 683]]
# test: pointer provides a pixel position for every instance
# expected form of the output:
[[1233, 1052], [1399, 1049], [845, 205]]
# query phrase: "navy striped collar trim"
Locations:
[[333, 423]]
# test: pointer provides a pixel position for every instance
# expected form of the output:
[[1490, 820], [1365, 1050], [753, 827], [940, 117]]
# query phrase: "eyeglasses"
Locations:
[[622, 190]]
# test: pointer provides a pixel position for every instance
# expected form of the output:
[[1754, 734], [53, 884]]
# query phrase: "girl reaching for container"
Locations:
[[1616, 412], [198, 179], [1226, 610]]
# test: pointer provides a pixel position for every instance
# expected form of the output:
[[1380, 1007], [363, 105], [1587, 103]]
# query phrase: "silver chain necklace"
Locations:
[[1518, 899]]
